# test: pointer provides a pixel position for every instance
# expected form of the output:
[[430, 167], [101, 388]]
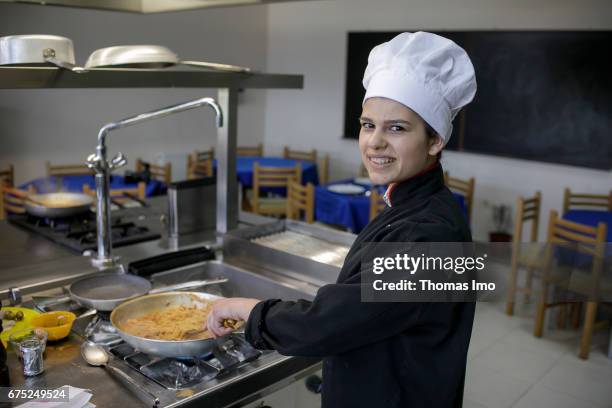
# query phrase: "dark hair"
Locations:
[[432, 134]]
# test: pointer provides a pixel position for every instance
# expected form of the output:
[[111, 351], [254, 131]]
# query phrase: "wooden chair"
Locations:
[[272, 177], [300, 198], [204, 154], [60, 170], [122, 194], [377, 203], [583, 239], [199, 156], [324, 170], [199, 169], [159, 172], [250, 151], [300, 155], [8, 176], [573, 201], [463, 187], [527, 210], [12, 200]]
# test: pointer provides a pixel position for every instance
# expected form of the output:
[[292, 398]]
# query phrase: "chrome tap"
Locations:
[[102, 167]]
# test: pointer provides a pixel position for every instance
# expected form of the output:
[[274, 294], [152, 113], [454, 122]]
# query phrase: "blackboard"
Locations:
[[542, 95]]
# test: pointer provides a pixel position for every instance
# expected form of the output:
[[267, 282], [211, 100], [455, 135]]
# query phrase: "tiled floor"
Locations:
[[509, 367]]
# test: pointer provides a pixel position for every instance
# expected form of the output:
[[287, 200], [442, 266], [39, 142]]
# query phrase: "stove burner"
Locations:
[[177, 373], [101, 331], [79, 232], [86, 233]]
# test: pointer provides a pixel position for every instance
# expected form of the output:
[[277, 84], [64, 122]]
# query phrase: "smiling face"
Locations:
[[393, 141]]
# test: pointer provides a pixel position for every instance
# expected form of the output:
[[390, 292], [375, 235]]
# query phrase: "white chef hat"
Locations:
[[428, 73]]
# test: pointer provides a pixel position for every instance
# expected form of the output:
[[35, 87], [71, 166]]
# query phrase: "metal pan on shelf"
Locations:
[[148, 56], [38, 50]]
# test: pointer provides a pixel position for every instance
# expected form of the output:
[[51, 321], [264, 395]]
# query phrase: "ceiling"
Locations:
[[146, 6]]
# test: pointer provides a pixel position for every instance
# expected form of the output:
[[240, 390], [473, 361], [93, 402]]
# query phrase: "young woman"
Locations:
[[387, 354]]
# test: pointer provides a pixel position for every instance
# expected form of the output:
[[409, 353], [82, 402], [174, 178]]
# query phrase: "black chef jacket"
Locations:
[[381, 354]]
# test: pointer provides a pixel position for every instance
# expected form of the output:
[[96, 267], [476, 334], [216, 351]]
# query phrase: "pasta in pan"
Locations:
[[177, 323]]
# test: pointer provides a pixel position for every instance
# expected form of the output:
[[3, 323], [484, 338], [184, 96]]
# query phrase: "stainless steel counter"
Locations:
[[33, 263], [65, 366]]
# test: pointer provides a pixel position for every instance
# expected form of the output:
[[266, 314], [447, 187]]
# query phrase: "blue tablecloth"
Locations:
[[75, 184], [244, 168], [351, 211], [592, 218], [569, 256]]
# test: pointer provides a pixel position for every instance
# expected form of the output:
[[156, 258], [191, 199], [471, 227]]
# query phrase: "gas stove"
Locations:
[[231, 353], [232, 374], [78, 233], [180, 373]]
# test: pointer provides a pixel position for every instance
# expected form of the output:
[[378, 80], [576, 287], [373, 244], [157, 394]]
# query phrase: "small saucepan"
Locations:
[[57, 205], [38, 49]]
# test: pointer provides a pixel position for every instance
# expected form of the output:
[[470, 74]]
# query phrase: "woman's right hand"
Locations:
[[237, 309]]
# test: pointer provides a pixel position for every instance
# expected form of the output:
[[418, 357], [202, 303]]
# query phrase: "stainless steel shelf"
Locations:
[[50, 77]]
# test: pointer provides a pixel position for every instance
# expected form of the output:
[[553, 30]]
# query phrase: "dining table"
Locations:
[[244, 168], [351, 209], [74, 184], [591, 218]]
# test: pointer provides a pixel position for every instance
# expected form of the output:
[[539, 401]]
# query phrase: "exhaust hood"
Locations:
[[146, 6]]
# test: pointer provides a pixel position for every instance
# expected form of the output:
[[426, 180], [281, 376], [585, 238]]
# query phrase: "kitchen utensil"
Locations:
[[57, 324], [346, 188], [96, 356], [159, 302], [13, 326], [148, 56], [232, 324], [104, 292], [56, 205], [38, 49]]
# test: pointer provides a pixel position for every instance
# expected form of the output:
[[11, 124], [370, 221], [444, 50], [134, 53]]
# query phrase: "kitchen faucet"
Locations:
[[102, 167]]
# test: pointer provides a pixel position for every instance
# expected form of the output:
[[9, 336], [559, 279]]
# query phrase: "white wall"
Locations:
[[311, 38], [61, 125], [308, 38]]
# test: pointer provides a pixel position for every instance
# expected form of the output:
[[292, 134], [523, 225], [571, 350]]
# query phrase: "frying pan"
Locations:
[[106, 291], [148, 56], [159, 302], [55, 205], [38, 49]]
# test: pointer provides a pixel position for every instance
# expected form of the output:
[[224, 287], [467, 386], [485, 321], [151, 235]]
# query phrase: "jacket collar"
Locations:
[[421, 185]]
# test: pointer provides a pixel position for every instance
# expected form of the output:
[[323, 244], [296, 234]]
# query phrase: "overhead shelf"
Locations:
[[51, 77]]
